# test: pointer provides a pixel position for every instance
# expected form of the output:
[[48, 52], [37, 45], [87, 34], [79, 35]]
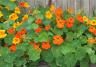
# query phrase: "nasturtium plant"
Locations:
[[59, 38]]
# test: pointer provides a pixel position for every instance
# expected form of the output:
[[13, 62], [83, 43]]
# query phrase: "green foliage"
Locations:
[[34, 54], [8, 3], [8, 39], [47, 56], [84, 62], [56, 51], [43, 37]]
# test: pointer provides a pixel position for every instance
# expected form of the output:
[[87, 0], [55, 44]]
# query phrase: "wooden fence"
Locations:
[[86, 5]]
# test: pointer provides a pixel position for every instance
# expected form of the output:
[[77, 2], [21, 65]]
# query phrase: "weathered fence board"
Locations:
[[77, 5]]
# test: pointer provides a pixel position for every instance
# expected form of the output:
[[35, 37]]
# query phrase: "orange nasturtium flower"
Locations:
[[47, 27], [12, 48], [80, 18], [91, 29], [38, 30], [36, 46], [24, 4], [58, 40], [60, 23], [11, 30], [17, 10], [38, 21], [25, 17], [58, 12], [2, 34], [91, 40], [46, 45], [13, 16], [16, 40], [48, 15], [94, 32]]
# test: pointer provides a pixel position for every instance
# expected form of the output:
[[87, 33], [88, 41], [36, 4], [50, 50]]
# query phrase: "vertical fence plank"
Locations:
[[94, 4], [61, 3], [43, 3], [65, 5], [58, 3], [86, 4], [91, 7], [77, 6]]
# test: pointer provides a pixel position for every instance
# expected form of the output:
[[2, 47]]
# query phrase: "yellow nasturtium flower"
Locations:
[[70, 10], [25, 17], [2, 34], [48, 15], [1, 14], [16, 40], [93, 22], [85, 18], [7, 7], [15, 25], [26, 5], [52, 7], [17, 10], [13, 16]]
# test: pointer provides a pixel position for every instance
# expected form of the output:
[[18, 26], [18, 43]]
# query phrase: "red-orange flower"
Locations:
[[47, 27], [38, 30], [21, 4], [12, 48], [71, 20], [23, 31], [80, 18], [38, 21], [69, 25], [58, 40], [18, 35], [46, 45], [11, 31]]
